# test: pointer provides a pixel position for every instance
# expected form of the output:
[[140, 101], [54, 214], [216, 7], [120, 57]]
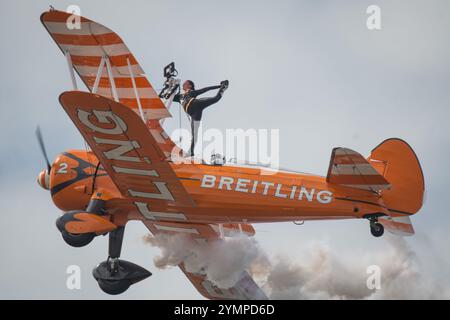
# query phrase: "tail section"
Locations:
[[393, 171], [397, 162]]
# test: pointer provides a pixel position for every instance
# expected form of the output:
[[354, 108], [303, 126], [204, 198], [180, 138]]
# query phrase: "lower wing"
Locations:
[[204, 234]]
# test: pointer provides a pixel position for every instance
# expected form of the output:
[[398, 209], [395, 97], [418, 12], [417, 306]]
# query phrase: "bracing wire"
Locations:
[[86, 147]]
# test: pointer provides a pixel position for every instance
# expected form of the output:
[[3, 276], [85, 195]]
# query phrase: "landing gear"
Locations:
[[79, 240], [73, 239], [376, 228], [115, 276]]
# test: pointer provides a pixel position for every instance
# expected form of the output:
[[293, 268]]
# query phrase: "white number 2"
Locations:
[[62, 168]]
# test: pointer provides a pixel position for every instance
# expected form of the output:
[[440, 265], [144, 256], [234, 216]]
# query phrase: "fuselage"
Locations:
[[222, 193]]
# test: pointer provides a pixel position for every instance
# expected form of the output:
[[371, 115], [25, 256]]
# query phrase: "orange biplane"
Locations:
[[130, 173]]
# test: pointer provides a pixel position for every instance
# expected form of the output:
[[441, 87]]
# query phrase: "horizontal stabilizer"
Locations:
[[400, 226], [351, 169]]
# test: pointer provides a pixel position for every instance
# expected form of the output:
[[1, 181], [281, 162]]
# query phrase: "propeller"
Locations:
[[42, 147]]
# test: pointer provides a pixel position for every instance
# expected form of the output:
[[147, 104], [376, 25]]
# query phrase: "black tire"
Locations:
[[376, 229], [77, 240], [114, 287]]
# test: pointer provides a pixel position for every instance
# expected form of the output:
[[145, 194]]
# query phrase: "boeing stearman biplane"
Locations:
[[130, 174]]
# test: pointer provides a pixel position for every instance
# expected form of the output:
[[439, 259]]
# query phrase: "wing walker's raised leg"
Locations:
[[115, 276]]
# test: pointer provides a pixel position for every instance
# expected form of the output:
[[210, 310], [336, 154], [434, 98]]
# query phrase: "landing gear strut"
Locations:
[[376, 228], [115, 276]]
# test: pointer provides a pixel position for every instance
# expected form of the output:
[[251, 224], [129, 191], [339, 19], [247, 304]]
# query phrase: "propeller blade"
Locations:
[[42, 146]]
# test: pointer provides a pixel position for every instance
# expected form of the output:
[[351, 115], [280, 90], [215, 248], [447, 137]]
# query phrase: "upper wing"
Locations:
[[349, 168], [124, 147], [203, 234], [90, 45]]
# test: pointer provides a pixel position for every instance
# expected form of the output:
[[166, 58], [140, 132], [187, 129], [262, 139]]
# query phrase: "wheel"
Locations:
[[115, 276], [376, 229], [77, 240], [114, 287]]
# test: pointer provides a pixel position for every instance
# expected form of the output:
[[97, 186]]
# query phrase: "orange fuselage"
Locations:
[[222, 194]]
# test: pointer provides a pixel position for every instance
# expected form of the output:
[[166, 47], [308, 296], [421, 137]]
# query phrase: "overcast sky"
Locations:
[[308, 68]]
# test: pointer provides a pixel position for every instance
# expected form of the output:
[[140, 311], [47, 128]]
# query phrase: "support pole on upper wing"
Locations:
[[136, 93], [99, 75], [72, 74], [111, 79]]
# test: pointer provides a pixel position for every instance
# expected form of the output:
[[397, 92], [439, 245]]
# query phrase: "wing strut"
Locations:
[[133, 81], [111, 80], [72, 74], [99, 75]]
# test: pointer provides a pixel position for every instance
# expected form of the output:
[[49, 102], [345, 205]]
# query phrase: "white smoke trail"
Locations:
[[320, 275], [221, 261]]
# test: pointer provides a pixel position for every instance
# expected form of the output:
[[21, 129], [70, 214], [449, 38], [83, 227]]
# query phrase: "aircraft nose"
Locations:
[[44, 179]]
